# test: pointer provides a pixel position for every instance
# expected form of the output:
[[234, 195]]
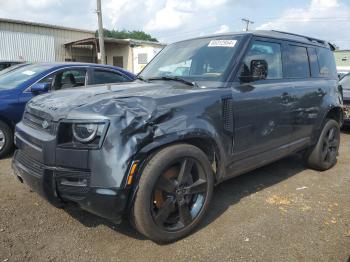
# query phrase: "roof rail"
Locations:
[[311, 39]]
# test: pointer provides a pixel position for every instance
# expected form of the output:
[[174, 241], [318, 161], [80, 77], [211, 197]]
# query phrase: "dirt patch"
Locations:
[[281, 212]]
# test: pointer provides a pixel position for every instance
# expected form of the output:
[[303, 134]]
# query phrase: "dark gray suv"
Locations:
[[203, 111]]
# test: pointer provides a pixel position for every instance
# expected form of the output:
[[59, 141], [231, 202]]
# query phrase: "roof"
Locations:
[[92, 40], [277, 35], [20, 22]]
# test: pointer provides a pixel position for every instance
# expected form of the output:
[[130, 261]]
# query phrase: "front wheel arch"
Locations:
[[203, 142]]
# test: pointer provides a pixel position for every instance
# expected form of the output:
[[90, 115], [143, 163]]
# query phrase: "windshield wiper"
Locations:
[[174, 78], [141, 78]]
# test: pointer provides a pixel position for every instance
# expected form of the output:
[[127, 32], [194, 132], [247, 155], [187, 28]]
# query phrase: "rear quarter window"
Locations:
[[326, 63]]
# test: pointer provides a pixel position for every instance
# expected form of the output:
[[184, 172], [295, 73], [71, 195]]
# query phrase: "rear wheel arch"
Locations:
[[335, 113]]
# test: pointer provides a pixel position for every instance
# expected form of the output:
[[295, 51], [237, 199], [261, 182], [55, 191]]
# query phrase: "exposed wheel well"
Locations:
[[205, 144], [208, 148], [335, 113]]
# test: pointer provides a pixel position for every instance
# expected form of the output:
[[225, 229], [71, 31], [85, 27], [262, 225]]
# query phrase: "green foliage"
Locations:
[[125, 34]]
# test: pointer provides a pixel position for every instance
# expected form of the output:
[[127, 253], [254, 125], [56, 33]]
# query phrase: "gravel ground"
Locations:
[[281, 212]]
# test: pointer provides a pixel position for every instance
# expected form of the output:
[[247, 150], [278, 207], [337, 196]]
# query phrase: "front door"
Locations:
[[261, 107]]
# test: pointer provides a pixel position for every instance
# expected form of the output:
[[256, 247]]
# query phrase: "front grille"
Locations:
[[39, 123], [33, 166]]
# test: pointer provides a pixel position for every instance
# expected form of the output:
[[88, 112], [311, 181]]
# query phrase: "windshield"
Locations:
[[345, 82], [18, 76], [204, 59]]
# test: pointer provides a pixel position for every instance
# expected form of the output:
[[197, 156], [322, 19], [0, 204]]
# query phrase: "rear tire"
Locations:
[[6, 139], [324, 154], [174, 193]]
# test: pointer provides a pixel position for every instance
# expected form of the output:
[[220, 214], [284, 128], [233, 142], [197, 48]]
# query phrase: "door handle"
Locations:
[[320, 92], [285, 97]]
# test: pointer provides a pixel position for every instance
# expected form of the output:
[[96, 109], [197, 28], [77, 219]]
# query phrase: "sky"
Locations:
[[173, 20]]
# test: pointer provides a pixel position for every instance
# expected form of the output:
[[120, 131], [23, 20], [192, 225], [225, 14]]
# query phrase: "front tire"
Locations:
[[6, 139], [174, 193], [324, 154]]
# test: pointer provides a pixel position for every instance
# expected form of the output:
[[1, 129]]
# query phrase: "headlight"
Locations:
[[82, 134], [85, 133]]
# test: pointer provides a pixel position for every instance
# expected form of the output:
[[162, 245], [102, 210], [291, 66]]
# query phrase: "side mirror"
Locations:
[[40, 88], [258, 70]]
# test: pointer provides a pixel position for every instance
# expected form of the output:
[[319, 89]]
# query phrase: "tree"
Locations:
[[126, 34]]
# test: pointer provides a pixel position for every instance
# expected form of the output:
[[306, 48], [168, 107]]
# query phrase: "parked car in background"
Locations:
[[13, 67], [154, 149], [18, 86], [6, 64], [341, 74], [345, 83], [342, 71]]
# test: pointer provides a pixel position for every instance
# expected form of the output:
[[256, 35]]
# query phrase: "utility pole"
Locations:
[[247, 21], [100, 32]]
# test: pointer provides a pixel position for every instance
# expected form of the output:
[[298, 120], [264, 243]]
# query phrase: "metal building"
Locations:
[[36, 42], [130, 54]]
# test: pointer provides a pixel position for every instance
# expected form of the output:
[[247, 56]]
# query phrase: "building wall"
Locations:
[[85, 54], [142, 55], [115, 50], [342, 58], [28, 31], [26, 47]]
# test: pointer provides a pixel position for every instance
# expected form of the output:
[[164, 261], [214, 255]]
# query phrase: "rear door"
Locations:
[[301, 67], [261, 107]]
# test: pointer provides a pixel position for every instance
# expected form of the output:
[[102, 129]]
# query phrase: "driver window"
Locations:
[[269, 52], [69, 78]]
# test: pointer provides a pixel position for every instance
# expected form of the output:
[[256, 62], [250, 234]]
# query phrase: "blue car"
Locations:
[[17, 87]]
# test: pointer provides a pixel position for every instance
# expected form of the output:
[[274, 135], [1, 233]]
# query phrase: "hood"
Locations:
[[93, 101]]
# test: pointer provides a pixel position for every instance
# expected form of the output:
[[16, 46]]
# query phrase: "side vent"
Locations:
[[227, 114]]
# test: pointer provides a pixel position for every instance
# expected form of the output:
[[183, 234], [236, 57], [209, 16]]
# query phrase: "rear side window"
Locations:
[[297, 62], [326, 62], [106, 77]]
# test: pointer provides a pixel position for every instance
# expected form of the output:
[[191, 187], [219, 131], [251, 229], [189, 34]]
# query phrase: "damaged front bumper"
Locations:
[[65, 176], [59, 185]]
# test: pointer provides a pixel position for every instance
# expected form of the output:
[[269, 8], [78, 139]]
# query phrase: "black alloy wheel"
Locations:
[[174, 193], [179, 195], [324, 154]]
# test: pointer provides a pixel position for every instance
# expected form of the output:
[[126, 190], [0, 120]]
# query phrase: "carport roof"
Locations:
[[94, 40]]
